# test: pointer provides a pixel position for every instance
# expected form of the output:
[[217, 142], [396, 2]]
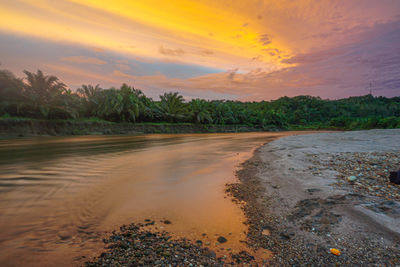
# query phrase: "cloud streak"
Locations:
[[83, 60], [238, 49], [171, 52], [336, 73]]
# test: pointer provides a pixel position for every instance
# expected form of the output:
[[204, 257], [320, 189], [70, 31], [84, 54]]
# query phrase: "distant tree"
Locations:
[[11, 92], [10, 86], [45, 96], [172, 107], [199, 111], [131, 103], [110, 105], [147, 107], [89, 91], [222, 113], [91, 96], [68, 104], [43, 91]]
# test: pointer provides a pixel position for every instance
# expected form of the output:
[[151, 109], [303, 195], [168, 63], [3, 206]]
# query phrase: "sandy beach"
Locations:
[[306, 194]]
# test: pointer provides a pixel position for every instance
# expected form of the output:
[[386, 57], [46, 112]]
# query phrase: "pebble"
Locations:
[[133, 246], [222, 239], [364, 172], [287, 242], [351, 178]]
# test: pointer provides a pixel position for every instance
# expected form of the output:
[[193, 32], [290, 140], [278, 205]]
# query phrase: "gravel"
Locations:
[[134, 245], [365, 173], [300, 201]]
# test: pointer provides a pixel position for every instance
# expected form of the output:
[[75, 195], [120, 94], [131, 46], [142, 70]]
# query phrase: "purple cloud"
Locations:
[[265, 39]]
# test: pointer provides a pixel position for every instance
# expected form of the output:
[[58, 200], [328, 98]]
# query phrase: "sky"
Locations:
[[216, 49]]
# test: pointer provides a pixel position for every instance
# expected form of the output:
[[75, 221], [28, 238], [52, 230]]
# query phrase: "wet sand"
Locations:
[[299, 213]]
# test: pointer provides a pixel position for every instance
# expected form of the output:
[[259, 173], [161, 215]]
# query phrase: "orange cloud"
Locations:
[[137, 29], [206, 52], [123, 66], [84, 60], [122, 61], [98, 49], [171, 52], [275, 46], [119, 73], [78, 76]]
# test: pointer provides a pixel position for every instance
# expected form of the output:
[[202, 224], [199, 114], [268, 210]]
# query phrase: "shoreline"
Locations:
[[32, 128], [299, 213], [297, 208]]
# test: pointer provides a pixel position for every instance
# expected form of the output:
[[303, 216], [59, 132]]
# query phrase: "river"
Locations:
[[60, 196]]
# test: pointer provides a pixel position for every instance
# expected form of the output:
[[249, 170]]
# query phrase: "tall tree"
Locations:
[[11, 92], [172, 107], [131, 103], [43, 90], [110, 105], [199, 111], [91, 98]]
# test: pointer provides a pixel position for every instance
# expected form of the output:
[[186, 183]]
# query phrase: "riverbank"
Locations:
[[300, 202], [76, 190], [32, 127]]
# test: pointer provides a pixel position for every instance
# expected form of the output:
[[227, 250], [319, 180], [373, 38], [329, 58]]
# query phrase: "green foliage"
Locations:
[[130, 103], [91, 96], [44, 92], [222, 113], [46, 97], [11, 92], [171, 108], [200, 111]]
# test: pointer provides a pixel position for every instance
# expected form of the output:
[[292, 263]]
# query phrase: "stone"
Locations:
[[395, 177], [352, 178], [266, 232], [221, 239]]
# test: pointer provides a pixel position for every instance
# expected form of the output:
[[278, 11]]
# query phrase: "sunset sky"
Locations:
[[225, 49]]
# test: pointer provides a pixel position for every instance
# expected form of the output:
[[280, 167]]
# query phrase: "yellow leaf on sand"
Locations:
[[335, 251]]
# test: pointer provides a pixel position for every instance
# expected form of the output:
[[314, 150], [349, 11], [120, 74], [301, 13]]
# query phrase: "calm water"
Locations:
[[59, 196]]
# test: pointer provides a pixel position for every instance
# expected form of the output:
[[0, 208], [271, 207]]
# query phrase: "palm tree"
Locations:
[[199, 111], [147, 108], [43, 90], [11, 92], [89, 91], [70, 103], [91, 98], [172, 107], [131, 103], [222, 113], [110, 105], [10, 86]]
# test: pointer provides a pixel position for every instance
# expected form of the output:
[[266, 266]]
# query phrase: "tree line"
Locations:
[[41, 96]]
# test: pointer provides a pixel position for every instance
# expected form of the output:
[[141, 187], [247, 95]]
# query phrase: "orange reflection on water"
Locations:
[[61, 195]]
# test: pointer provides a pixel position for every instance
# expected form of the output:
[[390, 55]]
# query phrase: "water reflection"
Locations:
[[60, 195]]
